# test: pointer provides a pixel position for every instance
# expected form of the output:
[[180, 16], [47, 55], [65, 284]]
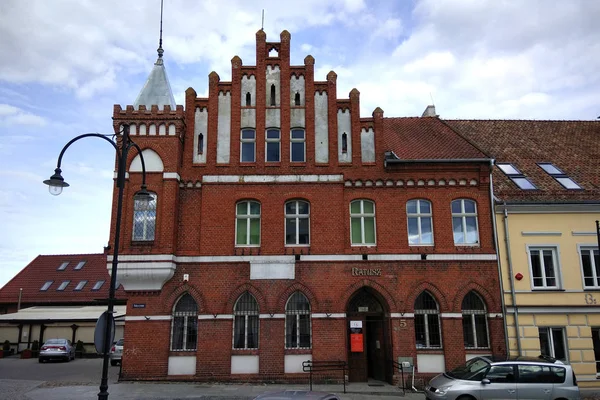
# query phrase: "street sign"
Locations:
[[100, 331]]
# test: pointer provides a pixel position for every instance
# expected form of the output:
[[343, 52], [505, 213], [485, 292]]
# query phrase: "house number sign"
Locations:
[[589, 299]]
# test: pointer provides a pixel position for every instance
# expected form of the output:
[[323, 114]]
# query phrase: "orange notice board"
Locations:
[[356, 342]]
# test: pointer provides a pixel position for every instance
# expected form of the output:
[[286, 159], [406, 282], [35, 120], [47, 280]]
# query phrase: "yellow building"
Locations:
[[547, 201]]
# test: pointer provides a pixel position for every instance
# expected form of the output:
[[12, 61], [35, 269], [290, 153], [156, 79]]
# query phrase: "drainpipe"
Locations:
[[19, 302], [512, 280]]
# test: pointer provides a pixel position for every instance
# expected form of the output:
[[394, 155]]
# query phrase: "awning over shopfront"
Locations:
[[71, 313]]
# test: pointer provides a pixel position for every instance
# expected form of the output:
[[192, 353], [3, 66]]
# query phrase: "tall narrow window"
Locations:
[[344, 143], [200, 143], [184, 328], [297, 145], [245, 323], [596, 344], [297, 99], [273, 145], [297, 322], [297, 221], [247, 229], [464, 222], [590, 263], [543, 264], [420, 225], [248, 99], [273, 102], [362, 222], [248, 145], [552, 343], [427, 322], [144, 219], [475, 329]]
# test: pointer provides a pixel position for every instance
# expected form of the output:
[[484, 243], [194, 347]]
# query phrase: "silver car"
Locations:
[[513, 378], [61, 349], [116, 352]]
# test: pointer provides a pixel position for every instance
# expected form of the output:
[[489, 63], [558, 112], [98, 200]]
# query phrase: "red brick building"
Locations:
[[284, 224]]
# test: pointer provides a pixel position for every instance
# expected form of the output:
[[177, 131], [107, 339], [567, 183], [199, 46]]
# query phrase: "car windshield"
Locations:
[[470, 370], [120, 342], [55, 341]]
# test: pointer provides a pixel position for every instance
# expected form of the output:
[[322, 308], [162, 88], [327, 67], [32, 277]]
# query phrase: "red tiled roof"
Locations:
[[426, 138], [572, 146], [45, 268]]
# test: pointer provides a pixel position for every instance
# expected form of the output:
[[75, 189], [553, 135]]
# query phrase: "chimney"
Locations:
[[429, 112]]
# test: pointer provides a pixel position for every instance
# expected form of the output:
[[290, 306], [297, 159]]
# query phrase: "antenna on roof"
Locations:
[[432, 102], [262, 24], [160, 49]]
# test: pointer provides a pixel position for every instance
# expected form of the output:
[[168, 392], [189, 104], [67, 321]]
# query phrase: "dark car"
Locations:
[[297, 395], [57, 349]]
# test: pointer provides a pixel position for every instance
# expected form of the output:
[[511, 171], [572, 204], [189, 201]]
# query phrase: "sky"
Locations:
[[65, 63]]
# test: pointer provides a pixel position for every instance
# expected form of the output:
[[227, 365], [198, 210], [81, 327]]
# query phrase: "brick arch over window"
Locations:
[[174, 295], [409, 301], [489, 300], [389, 303], [237, 292], [296, 287]]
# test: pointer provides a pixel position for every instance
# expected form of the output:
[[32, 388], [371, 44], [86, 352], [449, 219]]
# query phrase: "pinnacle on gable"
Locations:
[[285, 36], [332, 76], [309, 60]]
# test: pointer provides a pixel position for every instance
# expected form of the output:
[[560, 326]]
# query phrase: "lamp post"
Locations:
[[598, 233], [122, 143]]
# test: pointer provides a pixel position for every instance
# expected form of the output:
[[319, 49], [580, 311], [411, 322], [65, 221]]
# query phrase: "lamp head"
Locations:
[[56, 183], [143, 196]]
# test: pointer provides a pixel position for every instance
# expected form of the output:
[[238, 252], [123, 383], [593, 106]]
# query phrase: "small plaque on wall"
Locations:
[[138, 305]]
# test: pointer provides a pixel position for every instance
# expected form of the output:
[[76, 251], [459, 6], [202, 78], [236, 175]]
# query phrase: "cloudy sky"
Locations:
[[65, 63]]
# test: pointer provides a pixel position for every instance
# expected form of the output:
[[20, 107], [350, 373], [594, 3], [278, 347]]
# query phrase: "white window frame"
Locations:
[[362, 215], [419, 215], [243, 140], [146, 222], [551, 340], [248, 217], [271, 140], [557, 270], [591, 248], [463, 217], [303, 141], [297, 217]]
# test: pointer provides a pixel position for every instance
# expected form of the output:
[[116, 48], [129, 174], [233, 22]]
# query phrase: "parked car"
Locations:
[[297, 395], [61, 349], [116, 352], [512, 378]]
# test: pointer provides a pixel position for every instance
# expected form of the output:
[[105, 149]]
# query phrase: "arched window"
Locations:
[[297, 322], [144, 219], [248, 99], [247, 223], [184, 329], [297, 99], [362, 222], [297, 222], [245, 324], [475, 329], [464, 222], [420, 225], [200, 143], [273, 102], [344, 143], [427, 322]]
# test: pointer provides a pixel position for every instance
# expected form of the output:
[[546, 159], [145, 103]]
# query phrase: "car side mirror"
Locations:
[[485, 381]]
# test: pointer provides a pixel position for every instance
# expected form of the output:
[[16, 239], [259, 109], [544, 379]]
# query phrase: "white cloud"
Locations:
[[10, 115]]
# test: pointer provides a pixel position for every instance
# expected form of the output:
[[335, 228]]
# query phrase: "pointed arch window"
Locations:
[[248, 99], [427, 322], [144, 219], [245, 323], [475, 329], [297, 99], [297, 322], [344, 143], [184, 328], [200, 143], [273, 100]]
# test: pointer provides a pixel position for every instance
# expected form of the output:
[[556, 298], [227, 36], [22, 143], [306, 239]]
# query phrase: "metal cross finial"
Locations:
[[160, 49]]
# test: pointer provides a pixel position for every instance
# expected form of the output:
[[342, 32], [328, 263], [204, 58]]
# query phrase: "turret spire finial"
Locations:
[[160, 49]]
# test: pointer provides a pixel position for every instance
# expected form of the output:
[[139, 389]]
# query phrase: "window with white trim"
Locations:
[[427, 322], [297, 322], [297, 223], [247, 223], [362, 222], [297, 145], [474, 318], [273, 145], [464, 222], [559, 175], [590, 266], [144, 219], [543, 265], [245, 322], [553, 343], [420, 222], [184, 327], [248, 145]]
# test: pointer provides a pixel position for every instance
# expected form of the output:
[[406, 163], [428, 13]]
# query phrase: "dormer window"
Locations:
[[516, 176], [297, 99], [344, 143], [272, 95], [559, 175], [248, 99]]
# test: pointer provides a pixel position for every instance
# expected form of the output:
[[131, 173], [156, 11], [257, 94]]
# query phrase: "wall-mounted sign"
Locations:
[[355, 324], [363, 309], [138, 305], [356, 342], [366, 271]]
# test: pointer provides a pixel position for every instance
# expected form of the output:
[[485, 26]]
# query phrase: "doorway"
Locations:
[[368, 337]]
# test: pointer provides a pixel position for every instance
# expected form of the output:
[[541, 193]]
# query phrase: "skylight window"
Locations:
[[63, 285], [79, 266], [62, 266], [80, 285], [516, 176], [98, 285], [46, 285], [560, 176]]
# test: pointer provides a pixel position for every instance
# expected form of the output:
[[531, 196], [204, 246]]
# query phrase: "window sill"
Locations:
[[247, 246], [142, 243], [297, 163], [182, 353], [297, 351], [244, 352], [247, 163], [537, 289], [591, 289], [272, 163], [430, 350]]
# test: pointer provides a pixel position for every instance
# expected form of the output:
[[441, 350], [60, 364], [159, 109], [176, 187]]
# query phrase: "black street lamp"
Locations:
[[122, 143]]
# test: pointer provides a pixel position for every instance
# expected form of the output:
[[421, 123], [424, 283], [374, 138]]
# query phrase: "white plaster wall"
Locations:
[[182, 365], [248, 118], [142, 131], [367, 145], [244, 364], [9, 332], [430, 363], [344, 126], [152, 130], [132, 129], [53, 331], [293, 362], [152, 161], [200, 127], [272, 118], [248, 85], [321, 128], [162, 130], [297, 85], [224, 128], [273, 79], [297, 118], [272, 270], [172, 130]]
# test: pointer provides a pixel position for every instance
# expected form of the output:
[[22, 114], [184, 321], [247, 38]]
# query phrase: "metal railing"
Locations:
[[323, 366], [397, 365]]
